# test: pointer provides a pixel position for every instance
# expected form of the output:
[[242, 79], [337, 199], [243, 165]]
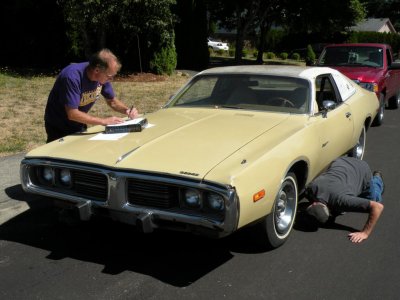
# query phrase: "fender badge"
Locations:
[[188, 173]]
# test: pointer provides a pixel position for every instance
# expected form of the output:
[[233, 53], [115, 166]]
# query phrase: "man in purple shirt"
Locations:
[[76, 89]]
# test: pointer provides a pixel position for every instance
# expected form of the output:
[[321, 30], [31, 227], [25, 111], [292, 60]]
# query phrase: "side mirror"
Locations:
[[327, 106], [394, 66]]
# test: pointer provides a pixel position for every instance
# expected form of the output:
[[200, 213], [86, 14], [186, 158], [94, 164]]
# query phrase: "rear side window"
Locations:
[[345, 86]]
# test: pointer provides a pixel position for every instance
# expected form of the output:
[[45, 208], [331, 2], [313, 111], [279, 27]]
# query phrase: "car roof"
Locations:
[[290, 71]]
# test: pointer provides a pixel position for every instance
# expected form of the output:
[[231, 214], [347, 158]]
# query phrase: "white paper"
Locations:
[[128, 122], [108, 137]]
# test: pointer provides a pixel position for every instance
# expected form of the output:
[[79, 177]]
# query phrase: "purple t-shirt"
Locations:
[[74, 89]]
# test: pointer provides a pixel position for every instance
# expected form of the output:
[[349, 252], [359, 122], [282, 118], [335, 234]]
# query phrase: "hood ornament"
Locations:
[[125, 155]]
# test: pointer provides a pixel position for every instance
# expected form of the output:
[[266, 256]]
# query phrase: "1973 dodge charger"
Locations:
[[234, 146]]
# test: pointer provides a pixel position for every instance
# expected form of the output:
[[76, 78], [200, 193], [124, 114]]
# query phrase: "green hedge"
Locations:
[[270, 55], [295, 56], [392, 39], [284, 55]]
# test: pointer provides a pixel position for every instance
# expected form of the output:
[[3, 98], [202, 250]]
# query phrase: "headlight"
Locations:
[[192, 198], [47, 174], [65, 177], [215, 201], [370, 86]]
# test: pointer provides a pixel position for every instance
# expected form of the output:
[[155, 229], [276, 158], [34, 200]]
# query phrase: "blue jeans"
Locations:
[[376, 189]]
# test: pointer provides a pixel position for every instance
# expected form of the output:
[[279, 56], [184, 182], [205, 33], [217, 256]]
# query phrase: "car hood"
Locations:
[[177, 141], [363, 74]]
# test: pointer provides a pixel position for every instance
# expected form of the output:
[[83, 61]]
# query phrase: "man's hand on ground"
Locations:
[[357, 237]]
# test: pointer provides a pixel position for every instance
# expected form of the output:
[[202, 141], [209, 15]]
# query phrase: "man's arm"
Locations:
[[78, 116], [120, 107], [375, 212]]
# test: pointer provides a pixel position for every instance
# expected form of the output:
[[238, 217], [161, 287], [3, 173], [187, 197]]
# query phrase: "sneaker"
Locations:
[[319, 211]]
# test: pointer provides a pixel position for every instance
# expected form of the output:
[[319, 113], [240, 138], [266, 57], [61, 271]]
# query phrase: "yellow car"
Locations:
[[234, 146]]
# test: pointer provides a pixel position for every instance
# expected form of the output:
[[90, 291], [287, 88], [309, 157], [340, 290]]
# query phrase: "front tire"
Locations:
[[359, 149], [394, 102], [277, 226]]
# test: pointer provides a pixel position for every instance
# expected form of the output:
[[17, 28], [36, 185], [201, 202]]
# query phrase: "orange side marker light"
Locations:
[[259, 195]]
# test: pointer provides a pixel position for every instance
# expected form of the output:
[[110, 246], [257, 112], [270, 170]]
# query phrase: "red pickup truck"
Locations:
[[371, 66]]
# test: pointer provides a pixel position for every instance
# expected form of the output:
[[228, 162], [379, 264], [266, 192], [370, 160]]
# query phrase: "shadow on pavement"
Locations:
[[178, 259], [175, 258]]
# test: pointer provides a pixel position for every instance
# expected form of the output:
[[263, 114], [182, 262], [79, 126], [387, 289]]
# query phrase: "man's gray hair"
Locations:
[[101, 59]]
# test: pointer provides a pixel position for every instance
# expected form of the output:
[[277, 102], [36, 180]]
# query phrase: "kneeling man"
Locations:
[[348, 185]]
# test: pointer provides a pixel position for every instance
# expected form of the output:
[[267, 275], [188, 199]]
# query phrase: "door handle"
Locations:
[[348, 114]]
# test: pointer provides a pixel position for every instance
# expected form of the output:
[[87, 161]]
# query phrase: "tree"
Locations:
[[238, 15], [255, 18], [191, 34], [323, 16], [310, 56], [270, 12], [126, 27], [32, 34], [88, 22]]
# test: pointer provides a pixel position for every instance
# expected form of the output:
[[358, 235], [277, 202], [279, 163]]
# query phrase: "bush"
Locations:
[[310, 56], [270, 55], [295, 56], [164, 61], [283, 55], [255, 53]]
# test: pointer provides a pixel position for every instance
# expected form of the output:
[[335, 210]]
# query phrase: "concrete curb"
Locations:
[[12, 200], [11, 209]]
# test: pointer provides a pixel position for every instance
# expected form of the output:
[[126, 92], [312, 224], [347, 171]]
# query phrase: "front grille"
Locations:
[[90, 184], [152, 194]]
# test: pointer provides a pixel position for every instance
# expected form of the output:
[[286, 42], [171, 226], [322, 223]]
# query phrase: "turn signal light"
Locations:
[[259, 195]]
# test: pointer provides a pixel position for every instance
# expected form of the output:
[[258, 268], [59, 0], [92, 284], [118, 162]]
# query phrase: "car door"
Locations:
[[334, 126]]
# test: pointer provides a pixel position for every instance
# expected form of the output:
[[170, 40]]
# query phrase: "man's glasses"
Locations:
[[110, 76]]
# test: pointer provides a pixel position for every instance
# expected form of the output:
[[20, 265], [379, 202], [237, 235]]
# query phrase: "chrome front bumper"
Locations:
[[117, 207]]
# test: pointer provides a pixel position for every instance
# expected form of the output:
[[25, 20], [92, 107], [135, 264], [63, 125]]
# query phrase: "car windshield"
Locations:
[[352, 56], [245, 91]]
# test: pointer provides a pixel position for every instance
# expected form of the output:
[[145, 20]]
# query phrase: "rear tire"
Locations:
[[277, 226]]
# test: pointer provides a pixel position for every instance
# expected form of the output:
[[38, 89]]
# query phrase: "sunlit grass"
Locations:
[[23, 101]]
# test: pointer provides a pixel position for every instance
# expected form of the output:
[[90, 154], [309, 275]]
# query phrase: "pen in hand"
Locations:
[[129, 114]]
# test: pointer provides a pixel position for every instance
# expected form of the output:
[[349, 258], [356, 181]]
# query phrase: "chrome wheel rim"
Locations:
[[285, 207], [360, 145], [381, 110]]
